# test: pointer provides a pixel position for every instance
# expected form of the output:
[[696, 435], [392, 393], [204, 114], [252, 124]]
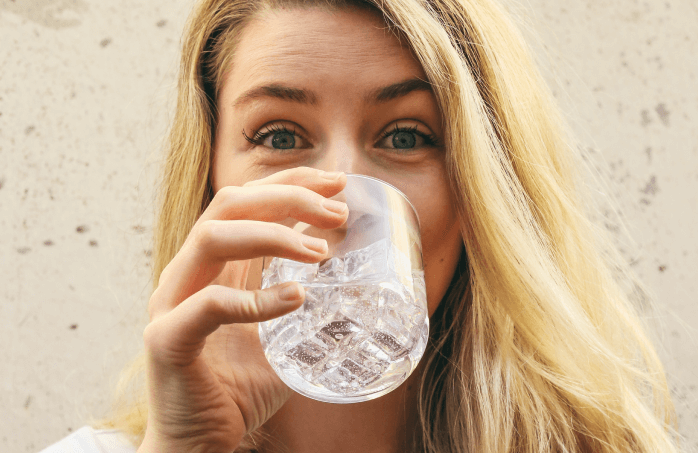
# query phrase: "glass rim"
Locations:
[[356, 175]]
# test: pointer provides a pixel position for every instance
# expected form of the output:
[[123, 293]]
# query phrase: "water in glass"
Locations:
[[362, 328]]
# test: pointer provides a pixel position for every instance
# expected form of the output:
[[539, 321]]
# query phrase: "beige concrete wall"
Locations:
[[85, 93]]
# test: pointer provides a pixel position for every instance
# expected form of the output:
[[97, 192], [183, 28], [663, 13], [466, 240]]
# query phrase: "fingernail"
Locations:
[[331, 174], [334, 206], [315, 244], [290, 291]]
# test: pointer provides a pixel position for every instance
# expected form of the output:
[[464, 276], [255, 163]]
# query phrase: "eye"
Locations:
[[281, 140], [277, 137], [405, 138]]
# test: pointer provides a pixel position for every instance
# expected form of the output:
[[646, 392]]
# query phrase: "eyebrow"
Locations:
[[398, 90], [302, 96], [277, 91]]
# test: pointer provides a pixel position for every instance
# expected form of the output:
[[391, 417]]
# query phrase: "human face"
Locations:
[[334, 90]]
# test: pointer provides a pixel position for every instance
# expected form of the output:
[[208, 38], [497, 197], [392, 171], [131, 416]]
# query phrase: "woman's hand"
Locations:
[[207, 378]]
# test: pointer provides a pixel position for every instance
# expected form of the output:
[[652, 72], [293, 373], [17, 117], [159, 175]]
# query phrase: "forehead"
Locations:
[[333, 48]]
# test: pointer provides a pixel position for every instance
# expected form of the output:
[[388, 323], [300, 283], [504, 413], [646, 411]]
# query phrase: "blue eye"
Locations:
[[404, 140], [283, 140], [276, 137]]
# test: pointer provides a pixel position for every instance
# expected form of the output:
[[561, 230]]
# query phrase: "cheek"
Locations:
[[434, 219], [229, 168], [436, 216], [441, 240]]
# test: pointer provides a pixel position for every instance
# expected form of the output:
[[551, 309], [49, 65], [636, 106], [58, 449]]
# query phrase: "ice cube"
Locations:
[[389, 345], [399, 262], [295, 271], [359, 303], [361, 373], [390, 296], [339, 380], [371, 261], [313, 339], [286, 337], [331, 270], [393, 323], [353, 293], [368, 361], [312, 303], [338, 332], [270, 276], [369, 349], [306, 354], [329, 302], [284, 270]]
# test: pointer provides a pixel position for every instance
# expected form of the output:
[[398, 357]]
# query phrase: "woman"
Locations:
[[534, 346]]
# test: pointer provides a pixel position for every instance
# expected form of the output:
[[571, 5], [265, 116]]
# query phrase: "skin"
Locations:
[[208, 382], [342, 57]]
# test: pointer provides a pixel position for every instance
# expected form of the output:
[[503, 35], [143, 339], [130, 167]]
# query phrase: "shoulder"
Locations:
[[89, 440]]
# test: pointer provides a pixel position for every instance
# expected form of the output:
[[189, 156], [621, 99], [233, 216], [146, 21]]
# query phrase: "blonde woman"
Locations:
[[534, 347]]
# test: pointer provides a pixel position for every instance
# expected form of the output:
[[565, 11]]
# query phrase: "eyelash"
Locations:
[[429, 139], [259, 136]]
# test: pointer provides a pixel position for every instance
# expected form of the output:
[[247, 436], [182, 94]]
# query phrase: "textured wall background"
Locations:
[[85, 94]]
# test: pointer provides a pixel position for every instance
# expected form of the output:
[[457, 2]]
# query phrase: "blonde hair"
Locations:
[[535, 347]]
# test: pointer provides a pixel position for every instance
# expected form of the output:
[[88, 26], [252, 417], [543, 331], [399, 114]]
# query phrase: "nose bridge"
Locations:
[[344, 157], [344, 153]]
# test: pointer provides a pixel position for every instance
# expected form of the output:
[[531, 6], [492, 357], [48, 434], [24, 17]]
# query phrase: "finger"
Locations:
[[222, 241], [223, 206], [178, 337], [274, 203], [190, 271], [216, 242], [325, 183]]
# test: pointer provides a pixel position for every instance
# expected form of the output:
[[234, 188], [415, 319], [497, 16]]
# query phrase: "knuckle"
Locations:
[[164, 274], [157, 304], [225, 200], [252, 306], [299, 192], [307, 174], [218, 300], [314, 172], [227, 194], [205, 233], [299, 175], [280, 234], [210, 296], [306, 196], [210, 302], [153, 336], [294, 196], [153, 303], [302, 171]]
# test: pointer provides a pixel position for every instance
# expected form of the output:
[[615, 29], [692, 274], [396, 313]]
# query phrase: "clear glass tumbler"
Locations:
[[364, 324]]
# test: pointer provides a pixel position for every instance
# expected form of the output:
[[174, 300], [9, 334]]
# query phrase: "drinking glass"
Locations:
[[364, 324]]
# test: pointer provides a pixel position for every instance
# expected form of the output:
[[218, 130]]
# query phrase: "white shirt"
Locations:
[[89, 440]]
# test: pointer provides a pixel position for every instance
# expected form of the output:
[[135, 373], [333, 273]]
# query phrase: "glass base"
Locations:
[[335, 384]]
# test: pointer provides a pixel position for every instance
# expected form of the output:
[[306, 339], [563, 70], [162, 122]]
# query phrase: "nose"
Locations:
[[345, 155]]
